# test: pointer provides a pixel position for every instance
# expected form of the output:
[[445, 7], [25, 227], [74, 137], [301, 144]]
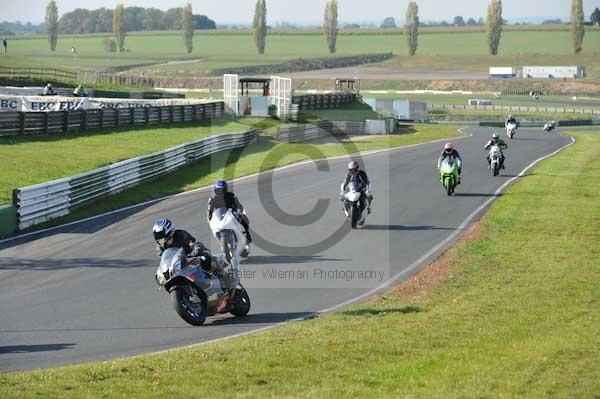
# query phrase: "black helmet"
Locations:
[[163, 230]]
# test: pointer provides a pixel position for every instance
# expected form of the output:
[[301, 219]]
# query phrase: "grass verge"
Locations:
[[517, 317], [30, 160]]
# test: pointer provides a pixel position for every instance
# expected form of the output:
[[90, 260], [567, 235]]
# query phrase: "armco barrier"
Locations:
[[312, 131], [541, 123], [20, 123], [324, 101], [42, 202], [517, 108], [8, 220]]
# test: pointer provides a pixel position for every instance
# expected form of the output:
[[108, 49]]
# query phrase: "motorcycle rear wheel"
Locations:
[[194, 314]]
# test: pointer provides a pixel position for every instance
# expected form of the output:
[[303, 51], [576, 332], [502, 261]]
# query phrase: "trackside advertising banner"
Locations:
[[58, 103]]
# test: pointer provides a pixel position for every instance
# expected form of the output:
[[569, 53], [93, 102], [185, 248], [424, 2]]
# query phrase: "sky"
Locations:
[[309, 11]]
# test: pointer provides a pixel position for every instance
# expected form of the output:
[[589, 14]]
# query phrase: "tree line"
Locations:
[[82, 21], [122, 19], [494, 23]]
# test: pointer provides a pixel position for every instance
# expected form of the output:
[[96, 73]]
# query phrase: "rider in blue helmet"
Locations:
[[223, 198]]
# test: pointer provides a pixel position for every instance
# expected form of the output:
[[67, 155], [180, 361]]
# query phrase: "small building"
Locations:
[[255, 97], [502, 72], [553, 72], [399, 109], [345, 84]]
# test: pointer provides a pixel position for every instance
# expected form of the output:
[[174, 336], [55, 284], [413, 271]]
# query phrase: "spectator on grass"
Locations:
[[5, 45]]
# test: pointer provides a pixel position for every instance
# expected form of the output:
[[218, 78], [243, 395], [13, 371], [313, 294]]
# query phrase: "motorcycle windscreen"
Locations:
[[449, 166], [354, 185], [220, 213]]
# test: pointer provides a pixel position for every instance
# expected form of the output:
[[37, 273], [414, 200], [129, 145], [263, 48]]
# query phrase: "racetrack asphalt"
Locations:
[[86, 291]]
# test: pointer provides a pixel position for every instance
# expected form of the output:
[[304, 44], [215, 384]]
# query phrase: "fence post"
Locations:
[[170, 113], [131, 116], [182, 108], [21, 122], [159, 114], [147, 115], [65, 121], [117, 117], [45, 122], [83, 125], [101, 118]]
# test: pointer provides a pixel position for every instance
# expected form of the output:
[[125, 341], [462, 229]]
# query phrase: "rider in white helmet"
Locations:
[[450, 151]]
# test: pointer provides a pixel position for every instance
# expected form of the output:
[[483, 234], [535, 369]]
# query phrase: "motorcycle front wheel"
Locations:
[[227, 248], [354, 216], [449, 186], [496, 169], [193, 313]]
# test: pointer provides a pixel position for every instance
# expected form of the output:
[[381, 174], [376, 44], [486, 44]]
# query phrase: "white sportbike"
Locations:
[[511, 130], [495, 159], [228, 230], [355, 206]]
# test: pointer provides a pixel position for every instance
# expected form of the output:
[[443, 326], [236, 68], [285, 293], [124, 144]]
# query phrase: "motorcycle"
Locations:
[[511, 130], [550, 126], [354, 208], [195, 293], [449, 174], [495, 159], [228, 230]]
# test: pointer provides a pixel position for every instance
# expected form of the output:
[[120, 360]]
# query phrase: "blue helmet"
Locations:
[[220, 187], [163, 230]]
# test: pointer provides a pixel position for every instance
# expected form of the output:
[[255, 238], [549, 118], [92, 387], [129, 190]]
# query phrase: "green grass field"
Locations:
[[215, 50], [517, 317], [38, 159]]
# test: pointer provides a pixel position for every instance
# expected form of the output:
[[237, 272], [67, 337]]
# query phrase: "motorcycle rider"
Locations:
[[223, 198], [450, 151], [167, 237], [496, 140], [550, 125], [353, 173], [510, 119]]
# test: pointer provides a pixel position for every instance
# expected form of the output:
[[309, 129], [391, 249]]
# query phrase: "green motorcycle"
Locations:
[[449, 174]]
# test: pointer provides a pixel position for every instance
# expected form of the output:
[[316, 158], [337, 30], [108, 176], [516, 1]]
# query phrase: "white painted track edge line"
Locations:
[[418, 263], [381, 287]]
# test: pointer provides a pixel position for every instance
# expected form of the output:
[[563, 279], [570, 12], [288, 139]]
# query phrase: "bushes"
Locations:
[[110, 46]]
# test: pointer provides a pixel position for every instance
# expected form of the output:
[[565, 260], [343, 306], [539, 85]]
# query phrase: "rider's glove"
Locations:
[[159, 251]]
